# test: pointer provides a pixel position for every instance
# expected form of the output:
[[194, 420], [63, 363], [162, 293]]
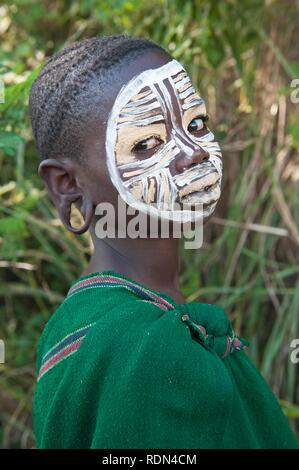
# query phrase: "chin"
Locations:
[[196, 205], [192, 223]]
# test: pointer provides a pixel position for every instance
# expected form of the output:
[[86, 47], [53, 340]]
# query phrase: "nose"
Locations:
[[183, 162]]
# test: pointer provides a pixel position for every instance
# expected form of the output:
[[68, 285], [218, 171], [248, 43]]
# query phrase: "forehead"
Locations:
[[157, 85]]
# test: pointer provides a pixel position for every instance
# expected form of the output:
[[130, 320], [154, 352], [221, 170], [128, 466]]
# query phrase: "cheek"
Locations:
[[136, 189], [154, 190], [144, 190]]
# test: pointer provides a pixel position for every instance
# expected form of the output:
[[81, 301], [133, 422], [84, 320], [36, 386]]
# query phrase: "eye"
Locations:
[[147, 144], [198, 123]]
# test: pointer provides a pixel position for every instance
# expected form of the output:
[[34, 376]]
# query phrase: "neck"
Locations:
[[153, 262]]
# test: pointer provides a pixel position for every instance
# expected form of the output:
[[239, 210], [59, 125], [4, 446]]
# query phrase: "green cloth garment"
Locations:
[[121, 366]]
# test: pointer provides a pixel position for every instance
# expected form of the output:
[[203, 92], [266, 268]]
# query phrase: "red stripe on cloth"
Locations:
[[86, 282], [160, 299], [162, 306], [62, 355]]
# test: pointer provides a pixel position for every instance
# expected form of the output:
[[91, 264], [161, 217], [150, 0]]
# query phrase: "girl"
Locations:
[[125, 362]]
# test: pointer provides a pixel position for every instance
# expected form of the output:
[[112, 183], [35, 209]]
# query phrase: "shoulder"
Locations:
[[79, 312], [91, 307], [154, 342]]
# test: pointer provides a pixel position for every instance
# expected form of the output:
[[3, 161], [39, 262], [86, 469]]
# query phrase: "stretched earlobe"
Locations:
[[62, 181], [86, 210]]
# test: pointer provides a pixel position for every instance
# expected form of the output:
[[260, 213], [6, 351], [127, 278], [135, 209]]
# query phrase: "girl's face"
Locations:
[[161, 156]]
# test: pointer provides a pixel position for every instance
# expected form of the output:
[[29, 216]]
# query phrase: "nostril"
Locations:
[[184, 162], [200, 155]]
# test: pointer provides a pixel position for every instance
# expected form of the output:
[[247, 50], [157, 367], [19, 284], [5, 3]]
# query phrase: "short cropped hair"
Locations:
[[65, 89]]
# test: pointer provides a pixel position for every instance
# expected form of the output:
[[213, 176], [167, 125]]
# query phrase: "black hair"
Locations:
[[61, 95]]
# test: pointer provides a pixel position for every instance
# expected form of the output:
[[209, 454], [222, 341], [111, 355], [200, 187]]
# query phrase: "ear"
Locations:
[[62, 179]]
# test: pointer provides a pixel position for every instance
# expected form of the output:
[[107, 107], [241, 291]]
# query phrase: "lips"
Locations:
[[203, 185], [205, 198], [205, 191]]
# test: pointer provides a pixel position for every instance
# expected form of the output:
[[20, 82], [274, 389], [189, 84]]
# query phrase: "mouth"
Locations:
[[205, 191], [202, 184]]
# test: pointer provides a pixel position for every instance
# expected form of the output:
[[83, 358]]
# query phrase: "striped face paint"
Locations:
[[144, 136]]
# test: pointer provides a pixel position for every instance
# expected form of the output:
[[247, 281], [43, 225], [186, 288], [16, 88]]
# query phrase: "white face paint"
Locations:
[[138, 118]]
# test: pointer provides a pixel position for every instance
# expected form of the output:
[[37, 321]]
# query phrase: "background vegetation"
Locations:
[[243, 56]]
